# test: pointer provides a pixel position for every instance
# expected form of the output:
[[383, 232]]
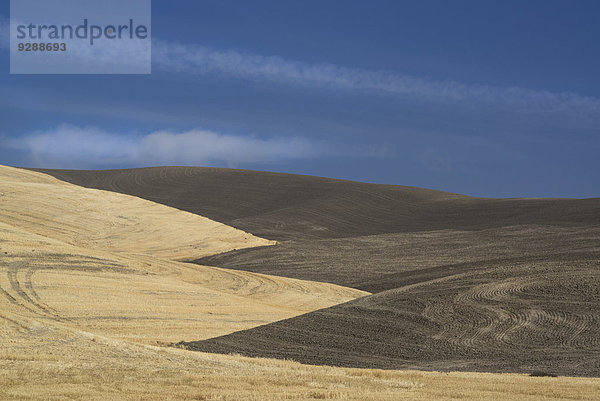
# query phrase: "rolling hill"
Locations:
[[459, 283], [107, 263], [291, 207]]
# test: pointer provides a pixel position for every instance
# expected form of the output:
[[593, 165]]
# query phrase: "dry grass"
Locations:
[[76, 272], [97, 368], [103, 220], [89, 288]]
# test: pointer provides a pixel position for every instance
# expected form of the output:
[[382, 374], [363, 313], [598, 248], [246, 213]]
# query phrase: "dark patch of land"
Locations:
[[506, 315], [382, 262], [291, 207], [460, 283]]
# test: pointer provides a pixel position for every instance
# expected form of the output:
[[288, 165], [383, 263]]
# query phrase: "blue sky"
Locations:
[[486, 98]]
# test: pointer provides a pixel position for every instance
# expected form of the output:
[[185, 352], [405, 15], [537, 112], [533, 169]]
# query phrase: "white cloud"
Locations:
[[195, 59], [70, 146]]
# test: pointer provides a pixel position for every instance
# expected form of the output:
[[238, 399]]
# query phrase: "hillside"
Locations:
[[517, 314], [291, 207], [459, 283], [107, 263]]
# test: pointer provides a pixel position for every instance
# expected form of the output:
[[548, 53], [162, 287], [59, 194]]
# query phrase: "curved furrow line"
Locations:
[[499, 322], [511, 325], [20, 326], [536, 331], [494, 291], [562, 325], [9, 297], [559, 327], [518, 313], [268, 285], [586, 323], [250, 285], [234, 282], [13, 277], [483, 335], [447, 318], [164, 174], [482, 327], [28, 284], [15, 301], [514, 322], [461, 324]]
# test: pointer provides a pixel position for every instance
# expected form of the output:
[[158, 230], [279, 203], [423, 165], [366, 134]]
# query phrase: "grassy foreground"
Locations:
[[99, 369]]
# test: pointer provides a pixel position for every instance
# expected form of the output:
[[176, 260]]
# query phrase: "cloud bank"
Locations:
[[69, 146], [197, 60], [193, 59]]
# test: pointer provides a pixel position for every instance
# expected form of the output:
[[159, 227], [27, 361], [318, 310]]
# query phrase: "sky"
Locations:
[[484, 98]]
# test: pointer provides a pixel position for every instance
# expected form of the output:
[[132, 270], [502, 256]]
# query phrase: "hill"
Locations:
[[459, 283], [511, 314], [291, 207], [107, 263]]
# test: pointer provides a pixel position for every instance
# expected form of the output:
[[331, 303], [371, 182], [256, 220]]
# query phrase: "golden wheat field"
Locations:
[[93, 291]]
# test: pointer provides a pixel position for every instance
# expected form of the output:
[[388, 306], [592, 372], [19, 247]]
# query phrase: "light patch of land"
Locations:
[[96, 219], [77, 275]]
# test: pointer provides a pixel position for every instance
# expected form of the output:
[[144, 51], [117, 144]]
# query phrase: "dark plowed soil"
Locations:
[[290, 207], [460, 283], [508, 315], [381, 262]]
